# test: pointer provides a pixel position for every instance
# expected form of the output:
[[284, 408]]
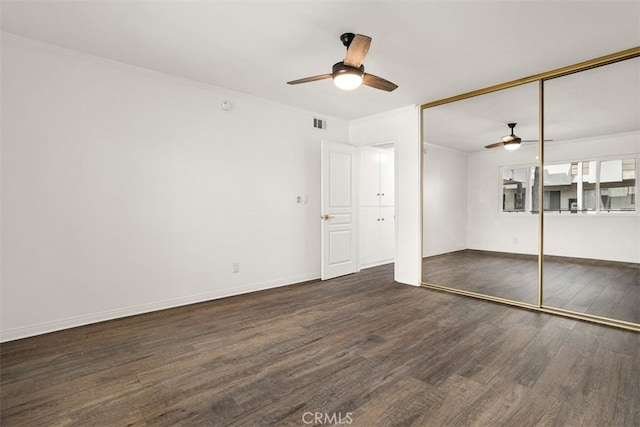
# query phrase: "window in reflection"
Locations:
[[618, 185], [575, 186], [569, 187], [515, 185]]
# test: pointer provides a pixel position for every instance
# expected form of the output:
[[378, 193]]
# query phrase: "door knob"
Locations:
[[326, 217]]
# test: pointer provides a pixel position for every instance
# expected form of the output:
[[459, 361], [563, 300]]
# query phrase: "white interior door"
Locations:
[[338, 210]]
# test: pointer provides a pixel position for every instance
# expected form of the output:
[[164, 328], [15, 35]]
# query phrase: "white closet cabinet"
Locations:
[[376, 210], [377, 173]]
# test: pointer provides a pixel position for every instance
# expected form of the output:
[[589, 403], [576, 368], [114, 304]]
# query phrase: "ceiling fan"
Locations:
[[512, 142], [349, 73]]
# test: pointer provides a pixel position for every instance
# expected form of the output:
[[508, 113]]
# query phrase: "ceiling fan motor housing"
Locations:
[[340, 68]]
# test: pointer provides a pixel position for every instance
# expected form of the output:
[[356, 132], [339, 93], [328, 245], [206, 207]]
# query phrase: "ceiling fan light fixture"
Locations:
[[347, 81], [512, 145], [346, 77]]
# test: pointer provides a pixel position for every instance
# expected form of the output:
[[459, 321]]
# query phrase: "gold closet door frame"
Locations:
[[540, 78]]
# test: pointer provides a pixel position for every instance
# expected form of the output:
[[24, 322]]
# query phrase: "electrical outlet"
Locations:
[[236, 267]]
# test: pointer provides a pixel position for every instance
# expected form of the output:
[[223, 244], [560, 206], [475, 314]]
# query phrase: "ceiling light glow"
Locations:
[[347, 81]]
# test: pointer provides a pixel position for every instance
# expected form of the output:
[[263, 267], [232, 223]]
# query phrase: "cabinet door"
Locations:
[[369, 176], [387, 177], [386, 234], [369, 235]]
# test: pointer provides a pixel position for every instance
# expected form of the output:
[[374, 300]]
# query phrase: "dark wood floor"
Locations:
[[359, 348], [602, 288]]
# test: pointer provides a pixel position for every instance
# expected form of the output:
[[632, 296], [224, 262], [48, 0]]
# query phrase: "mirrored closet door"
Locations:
[[591, 224], [478, 232], [552, 225]]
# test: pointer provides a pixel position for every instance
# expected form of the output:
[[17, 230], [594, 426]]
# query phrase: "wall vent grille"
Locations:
[[319, 123]]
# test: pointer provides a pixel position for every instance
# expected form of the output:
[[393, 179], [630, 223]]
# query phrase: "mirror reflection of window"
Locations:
[[514, 189], [574, 187], [618, 185]]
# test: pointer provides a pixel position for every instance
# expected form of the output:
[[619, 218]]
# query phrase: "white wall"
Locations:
[[444, 201], [403, 127], [607, 236], [487, 227], [125, 191]]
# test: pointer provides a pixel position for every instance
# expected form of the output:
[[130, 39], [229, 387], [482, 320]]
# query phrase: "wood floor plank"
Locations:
[[552, 395], [533, 360], [387, 354], [493, 405], [401, 403], [458, 392]]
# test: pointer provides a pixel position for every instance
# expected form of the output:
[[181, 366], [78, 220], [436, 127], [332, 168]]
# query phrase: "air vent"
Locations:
[[319, 123]]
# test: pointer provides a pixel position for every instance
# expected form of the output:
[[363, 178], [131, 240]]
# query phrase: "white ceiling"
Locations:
[[431, 49]]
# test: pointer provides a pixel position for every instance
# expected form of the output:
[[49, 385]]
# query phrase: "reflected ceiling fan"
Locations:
[[512, 142], [349, 74]]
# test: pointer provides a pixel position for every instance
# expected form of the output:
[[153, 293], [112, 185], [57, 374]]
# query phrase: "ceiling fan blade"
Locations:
[[536, 140], [496, 145], [309, 79], [357, 50], [378, 82]]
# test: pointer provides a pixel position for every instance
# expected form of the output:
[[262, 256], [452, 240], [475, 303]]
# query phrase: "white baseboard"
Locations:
[[72, 322]]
